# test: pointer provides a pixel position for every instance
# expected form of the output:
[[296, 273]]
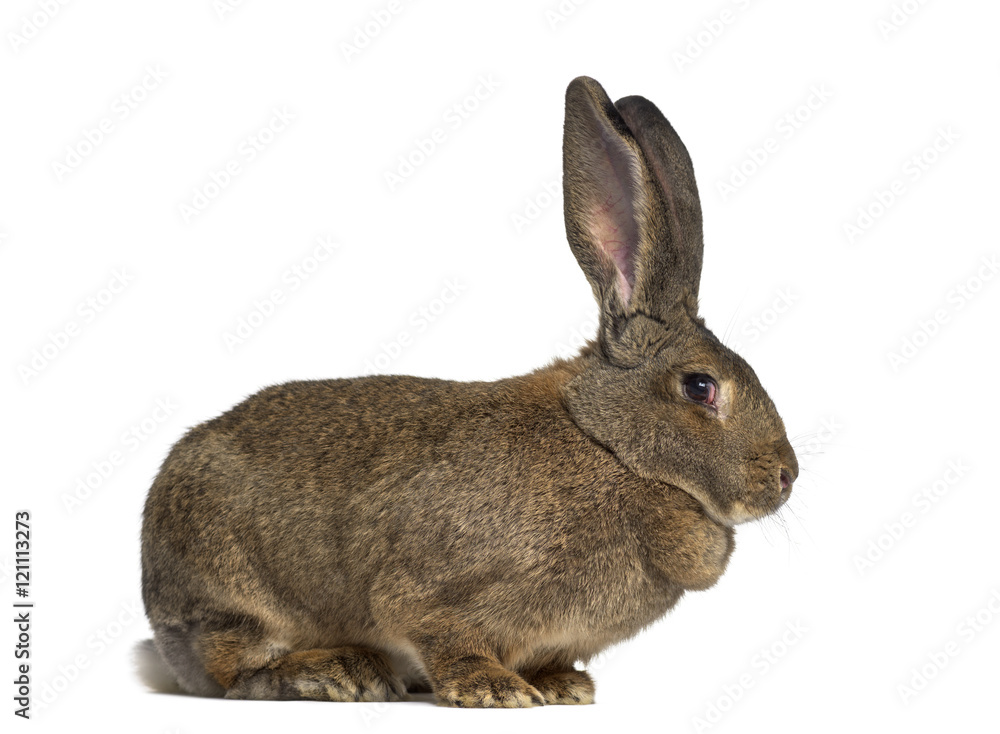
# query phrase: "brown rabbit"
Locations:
[[351, 539]]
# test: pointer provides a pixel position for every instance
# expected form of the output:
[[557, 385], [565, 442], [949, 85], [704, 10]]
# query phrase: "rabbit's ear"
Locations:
[[633, 218], [675, 259]]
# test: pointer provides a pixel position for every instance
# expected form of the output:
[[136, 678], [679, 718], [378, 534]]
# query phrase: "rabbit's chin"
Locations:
[[738, 513]]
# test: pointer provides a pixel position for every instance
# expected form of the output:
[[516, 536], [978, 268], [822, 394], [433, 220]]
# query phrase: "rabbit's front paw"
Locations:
[[487, 685], [565, 687]]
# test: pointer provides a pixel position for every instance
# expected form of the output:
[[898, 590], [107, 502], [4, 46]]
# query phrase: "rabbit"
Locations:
[[360, 539]]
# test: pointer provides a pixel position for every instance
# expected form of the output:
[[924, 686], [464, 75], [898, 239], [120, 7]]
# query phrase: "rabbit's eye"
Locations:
[[701, 389]]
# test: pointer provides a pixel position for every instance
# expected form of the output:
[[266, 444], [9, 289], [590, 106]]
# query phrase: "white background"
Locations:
[[817, 312]]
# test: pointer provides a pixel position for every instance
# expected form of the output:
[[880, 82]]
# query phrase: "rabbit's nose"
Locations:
[[789, 463], [786, 478], [786, 481]]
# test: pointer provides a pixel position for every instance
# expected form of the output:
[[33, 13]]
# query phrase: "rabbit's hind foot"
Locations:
[[338, 674]]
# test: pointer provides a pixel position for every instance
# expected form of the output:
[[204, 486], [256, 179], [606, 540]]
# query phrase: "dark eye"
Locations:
[[701, 389]]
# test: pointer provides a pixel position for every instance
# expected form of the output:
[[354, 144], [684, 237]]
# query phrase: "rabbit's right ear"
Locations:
[[633, 219]]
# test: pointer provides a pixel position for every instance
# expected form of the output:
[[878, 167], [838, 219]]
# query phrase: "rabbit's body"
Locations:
[[518, 541], [331, 539]]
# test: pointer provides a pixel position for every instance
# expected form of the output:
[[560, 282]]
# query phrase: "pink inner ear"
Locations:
[[613, 227]]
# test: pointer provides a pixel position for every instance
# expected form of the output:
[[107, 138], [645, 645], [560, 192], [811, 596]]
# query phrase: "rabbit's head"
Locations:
[[658, 389]]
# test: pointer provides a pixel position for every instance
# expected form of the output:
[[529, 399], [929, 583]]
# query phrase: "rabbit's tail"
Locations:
[[169, 663], [152, 668]]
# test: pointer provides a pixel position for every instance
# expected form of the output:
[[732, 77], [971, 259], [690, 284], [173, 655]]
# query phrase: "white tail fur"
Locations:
[[152, 670]]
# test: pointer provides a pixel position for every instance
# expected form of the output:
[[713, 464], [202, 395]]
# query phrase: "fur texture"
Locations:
[[352, 539]]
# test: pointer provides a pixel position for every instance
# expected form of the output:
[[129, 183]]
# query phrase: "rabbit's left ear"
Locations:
[[633, 217]]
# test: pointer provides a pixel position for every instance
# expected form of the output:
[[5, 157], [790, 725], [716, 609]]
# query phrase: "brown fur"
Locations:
[[346, 539]]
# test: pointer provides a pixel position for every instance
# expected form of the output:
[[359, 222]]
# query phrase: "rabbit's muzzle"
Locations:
[[771, 475]]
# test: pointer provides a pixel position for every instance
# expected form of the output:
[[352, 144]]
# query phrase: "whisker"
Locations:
[[732, 319]]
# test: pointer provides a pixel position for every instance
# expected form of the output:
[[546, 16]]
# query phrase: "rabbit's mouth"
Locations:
[[742, 511], [770, 477], [768, 489], [754, 505]]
